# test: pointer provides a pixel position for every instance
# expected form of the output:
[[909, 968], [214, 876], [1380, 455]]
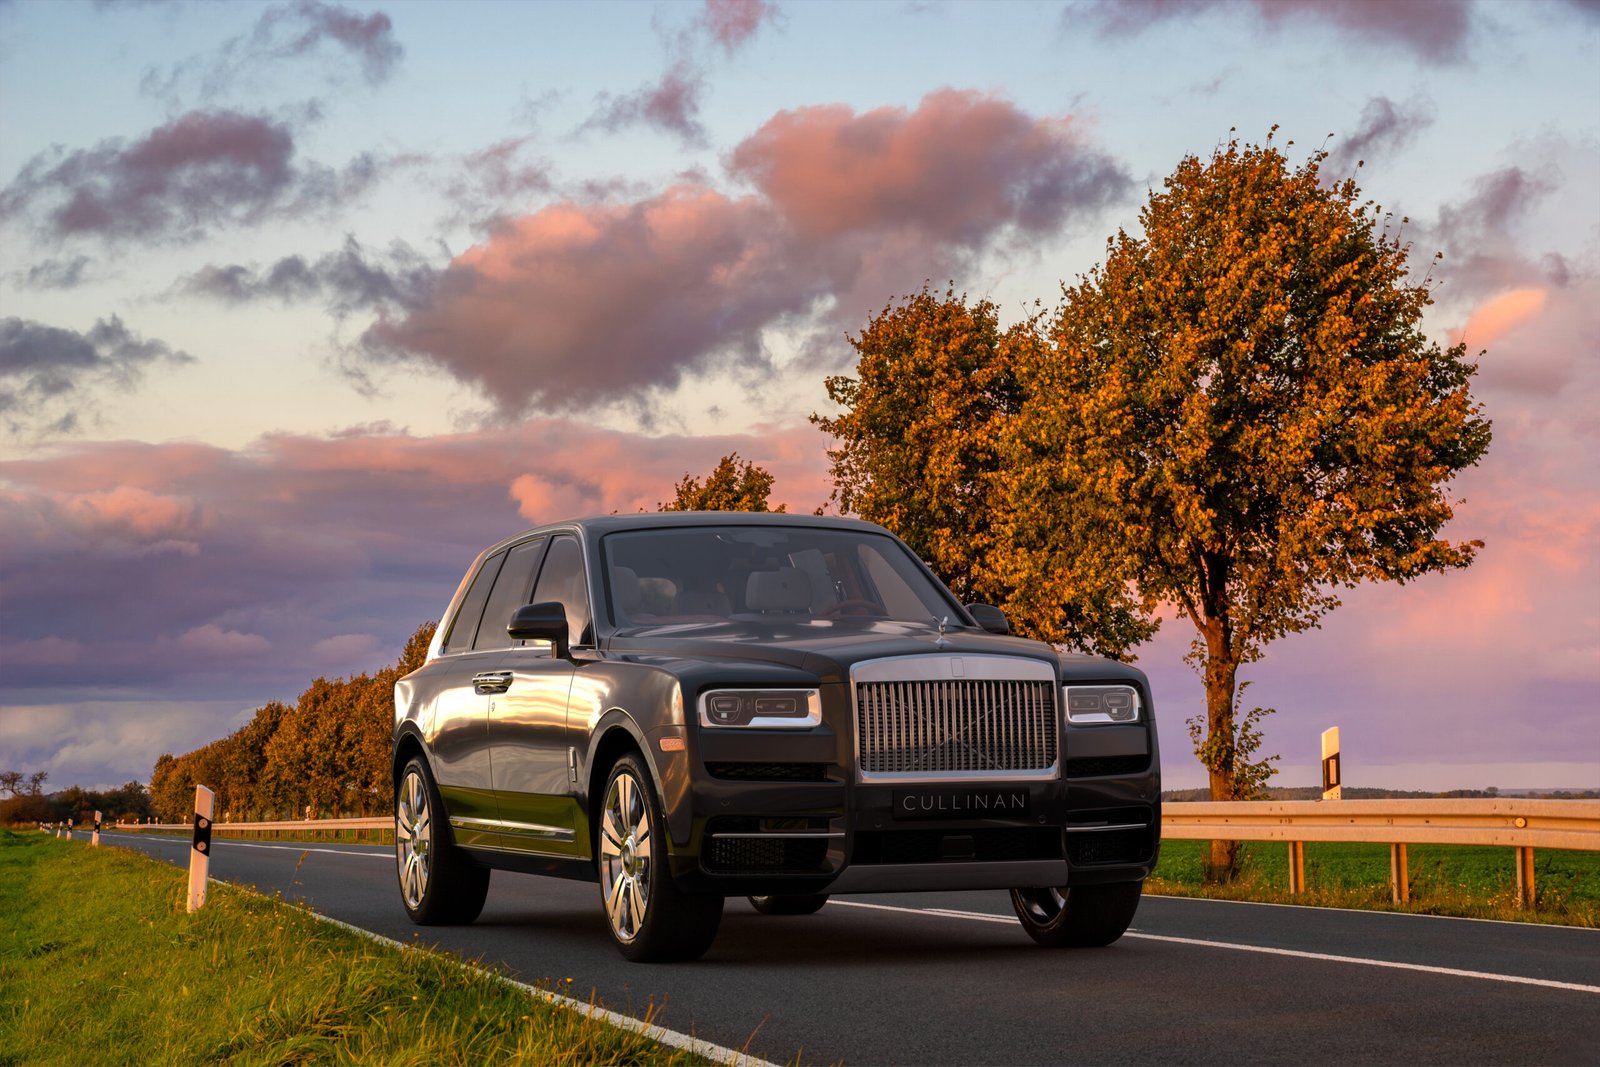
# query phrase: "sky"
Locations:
[[302, 305]]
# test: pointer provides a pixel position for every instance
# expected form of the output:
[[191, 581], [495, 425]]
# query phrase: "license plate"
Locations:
[[960, 803]]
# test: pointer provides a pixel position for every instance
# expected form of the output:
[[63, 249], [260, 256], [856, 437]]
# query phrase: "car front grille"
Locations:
[[970, 727]]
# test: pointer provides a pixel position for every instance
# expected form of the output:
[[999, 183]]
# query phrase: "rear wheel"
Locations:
[[439, 884], [1085, 916], [650, 919], [790, 903]]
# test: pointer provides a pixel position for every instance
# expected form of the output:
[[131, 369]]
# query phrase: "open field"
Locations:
[[100, 962], [1461, 880]]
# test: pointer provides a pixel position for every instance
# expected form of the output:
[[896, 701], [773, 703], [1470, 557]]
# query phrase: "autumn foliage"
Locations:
[[329, 751], [1233, 417], [731, 486]]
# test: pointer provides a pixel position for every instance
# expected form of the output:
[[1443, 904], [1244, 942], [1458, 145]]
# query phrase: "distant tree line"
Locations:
[[25, 801], [329, 751]]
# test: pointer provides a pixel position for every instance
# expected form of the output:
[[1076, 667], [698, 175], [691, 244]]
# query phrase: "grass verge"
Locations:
[[99, 962], [1467, 881]]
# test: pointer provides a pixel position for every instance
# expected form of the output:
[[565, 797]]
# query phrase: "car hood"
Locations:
[[829, 649]]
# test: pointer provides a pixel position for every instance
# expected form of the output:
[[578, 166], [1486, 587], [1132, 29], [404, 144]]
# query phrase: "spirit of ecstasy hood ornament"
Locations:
[[944, 622]]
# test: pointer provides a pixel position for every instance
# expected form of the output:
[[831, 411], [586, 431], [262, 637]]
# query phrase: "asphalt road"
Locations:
[[950, 978]]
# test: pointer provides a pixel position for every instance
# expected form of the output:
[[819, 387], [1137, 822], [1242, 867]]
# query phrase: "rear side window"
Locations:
[[511, 590], [465, 624]]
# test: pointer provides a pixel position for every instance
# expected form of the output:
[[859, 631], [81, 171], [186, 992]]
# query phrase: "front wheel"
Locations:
[[650, 919], [1085, 916], [790, 903], [439, 884]]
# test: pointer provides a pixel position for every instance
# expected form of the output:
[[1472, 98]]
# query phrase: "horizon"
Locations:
[[305, 304]]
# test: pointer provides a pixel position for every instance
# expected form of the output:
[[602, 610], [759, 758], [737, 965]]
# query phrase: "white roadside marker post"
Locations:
[[95, 840], [200, 851], [1332, 780]]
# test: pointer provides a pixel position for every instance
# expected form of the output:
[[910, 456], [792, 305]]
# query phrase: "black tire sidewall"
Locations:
[[456, 886]]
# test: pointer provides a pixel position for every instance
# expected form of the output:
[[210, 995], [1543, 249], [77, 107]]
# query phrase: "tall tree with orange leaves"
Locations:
[[1238, 415]]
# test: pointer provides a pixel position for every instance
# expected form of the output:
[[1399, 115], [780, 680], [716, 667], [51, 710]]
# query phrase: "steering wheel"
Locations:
[[852, 607]]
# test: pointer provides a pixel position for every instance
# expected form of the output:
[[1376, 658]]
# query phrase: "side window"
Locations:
[[511, 591], [562, 579], [465, 624]]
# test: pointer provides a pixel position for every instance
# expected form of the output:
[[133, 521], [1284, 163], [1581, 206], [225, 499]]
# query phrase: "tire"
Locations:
[[649, 918], [1085, 916], [790, 903], [439, 884]]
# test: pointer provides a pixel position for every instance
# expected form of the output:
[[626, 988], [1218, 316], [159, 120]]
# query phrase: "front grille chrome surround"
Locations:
[[953, 717]]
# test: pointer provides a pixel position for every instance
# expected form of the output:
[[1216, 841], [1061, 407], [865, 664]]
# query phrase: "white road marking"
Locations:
[[284, 848], [719, 1053], [1454, 972]]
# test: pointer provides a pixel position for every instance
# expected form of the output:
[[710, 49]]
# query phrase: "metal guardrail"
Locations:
[[1516, 823], [1509, 822], [1506, 822]]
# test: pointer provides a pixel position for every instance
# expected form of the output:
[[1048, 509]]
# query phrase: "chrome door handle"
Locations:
[[491, 682]]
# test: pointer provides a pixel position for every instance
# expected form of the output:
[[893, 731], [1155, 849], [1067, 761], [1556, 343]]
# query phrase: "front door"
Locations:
[[529, 747]]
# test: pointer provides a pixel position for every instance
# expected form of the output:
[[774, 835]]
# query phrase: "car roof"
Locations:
[[599, 525]]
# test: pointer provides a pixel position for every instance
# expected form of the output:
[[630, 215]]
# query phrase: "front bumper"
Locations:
[[811, 828]]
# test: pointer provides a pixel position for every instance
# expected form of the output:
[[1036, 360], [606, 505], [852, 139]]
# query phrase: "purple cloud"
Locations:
[[45, 371], [731, 23], [287, 32], [1434, 30], [348, 280], [200, 170], [671, 105], [1385, 127]]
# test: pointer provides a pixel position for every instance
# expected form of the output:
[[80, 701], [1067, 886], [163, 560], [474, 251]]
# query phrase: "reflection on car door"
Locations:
[[454, 688], [532, 762]]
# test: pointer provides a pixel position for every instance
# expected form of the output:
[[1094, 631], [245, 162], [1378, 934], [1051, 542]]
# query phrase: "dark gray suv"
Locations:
[[690, 706]]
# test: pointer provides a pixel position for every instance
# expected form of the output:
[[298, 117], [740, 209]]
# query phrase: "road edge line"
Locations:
[[672, 1038]]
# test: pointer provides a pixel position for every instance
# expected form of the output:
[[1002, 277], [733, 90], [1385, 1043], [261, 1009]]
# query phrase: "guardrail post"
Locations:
[[1297, 867], [200, 850], [1399, 877], [95, 840], [1525, 876]]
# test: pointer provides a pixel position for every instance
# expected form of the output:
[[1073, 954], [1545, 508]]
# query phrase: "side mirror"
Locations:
[[546, 621], [990, 618]]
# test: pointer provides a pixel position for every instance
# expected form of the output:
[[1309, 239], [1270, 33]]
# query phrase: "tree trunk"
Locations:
[[1221, 676]]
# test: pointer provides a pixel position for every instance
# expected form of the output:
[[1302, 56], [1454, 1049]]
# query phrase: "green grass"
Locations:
[[1462, 880], [99, 962]]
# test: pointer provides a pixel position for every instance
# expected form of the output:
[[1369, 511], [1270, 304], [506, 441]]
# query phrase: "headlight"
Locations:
[[784, 709], [1091, 704]]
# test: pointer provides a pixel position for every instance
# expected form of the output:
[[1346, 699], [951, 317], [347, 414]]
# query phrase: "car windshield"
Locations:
[[707, 574]]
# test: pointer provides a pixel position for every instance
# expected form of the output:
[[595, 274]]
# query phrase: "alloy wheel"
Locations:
[[413, 839], [625, 855]]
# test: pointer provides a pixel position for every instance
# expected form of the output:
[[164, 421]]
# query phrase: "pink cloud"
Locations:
[[956, 168], [1500, 316], [575, 305], [351, 651], [581, 304], [212, 640], [325, 552]]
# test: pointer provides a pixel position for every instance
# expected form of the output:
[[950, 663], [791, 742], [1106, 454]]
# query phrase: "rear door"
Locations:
[[459, 734]]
